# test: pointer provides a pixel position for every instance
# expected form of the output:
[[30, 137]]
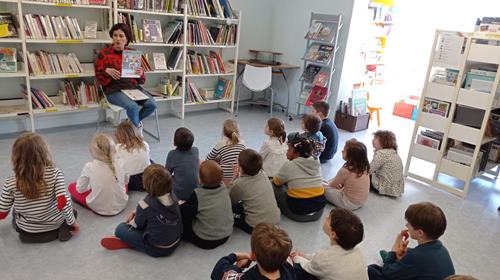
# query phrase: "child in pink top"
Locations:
[[350, 187]]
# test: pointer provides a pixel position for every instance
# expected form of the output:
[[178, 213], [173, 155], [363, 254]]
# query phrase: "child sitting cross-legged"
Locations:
[[343, 259], [183, 163], [252, 193], [429, 260], [302, 199], [386, 167], [311, 124], [101, 186], [206, 215], [328, 128], [270, 247], [155, 227], [273, 150]]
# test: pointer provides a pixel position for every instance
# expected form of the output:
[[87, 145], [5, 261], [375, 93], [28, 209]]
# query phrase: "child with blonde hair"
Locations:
[[133, 152], [101, 185], [42, 209], [386, 168], [273, 150], [227, 150]]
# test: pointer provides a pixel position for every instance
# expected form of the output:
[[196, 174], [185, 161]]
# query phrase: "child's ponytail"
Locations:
[[102, 148], [230, 130]]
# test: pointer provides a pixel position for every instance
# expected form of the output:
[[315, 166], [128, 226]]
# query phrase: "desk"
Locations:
[[277, 70]]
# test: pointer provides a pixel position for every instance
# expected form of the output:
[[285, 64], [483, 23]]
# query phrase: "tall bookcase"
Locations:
[[12, 105], [461, 52], [330, 67]]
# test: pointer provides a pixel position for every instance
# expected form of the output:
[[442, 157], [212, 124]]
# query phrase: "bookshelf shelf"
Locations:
[[209, 75], [209, 102], [76, 41], [9, 1], [61, 108], [10, 40], [164, 71], [152, 44], [67, 5], [226, 20], [212, 46], [18, 74], [470, 142], [165, 99], [130, 11], [63, 76]]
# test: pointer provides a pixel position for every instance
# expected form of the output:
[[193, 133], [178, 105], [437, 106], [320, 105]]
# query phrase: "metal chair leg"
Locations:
[[238, 101], [157, 136], [272, 101]]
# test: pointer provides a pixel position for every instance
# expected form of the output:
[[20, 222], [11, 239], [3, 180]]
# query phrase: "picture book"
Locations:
[[321, 31], [316, 94], [309, 73], [135, 94], [90, 31], [437, 107], [7, 26], [160, 61], [312, 52], [358, 102], [428, 141], [8, 61], [131, 61], [321, 79], [325, 53], [304, 95], [220, 88], [152, 30]]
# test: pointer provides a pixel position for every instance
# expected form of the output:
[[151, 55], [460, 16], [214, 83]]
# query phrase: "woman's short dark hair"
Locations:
[[123, 27]]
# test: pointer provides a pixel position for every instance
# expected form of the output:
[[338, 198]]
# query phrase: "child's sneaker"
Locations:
[[114, 243], [139, 127], [384, 255]]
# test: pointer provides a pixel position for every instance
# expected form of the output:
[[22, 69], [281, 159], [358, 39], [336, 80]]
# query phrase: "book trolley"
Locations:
[[105, 13], [462, 116]]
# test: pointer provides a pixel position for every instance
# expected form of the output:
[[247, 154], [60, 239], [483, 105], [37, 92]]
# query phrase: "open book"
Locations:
[[135, 94]]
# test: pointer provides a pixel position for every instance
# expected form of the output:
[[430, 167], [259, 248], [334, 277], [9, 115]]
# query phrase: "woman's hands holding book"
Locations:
[[113, 73]]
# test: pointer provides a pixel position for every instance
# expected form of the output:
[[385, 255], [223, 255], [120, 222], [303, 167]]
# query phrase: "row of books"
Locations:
[[51, 27], [149, 32], [437, 107], [170, 87], [321, 31], [430, 138], [160, 62], [320, 53], [74, 2], [481, 78], [199, 34], [356, 104], [210, 8], [39, 99], [46, 63], [166, 6], [173, 32], [222, 90], [80, 93], [445, 77], [313, 75], [199, 63], [8, 60]]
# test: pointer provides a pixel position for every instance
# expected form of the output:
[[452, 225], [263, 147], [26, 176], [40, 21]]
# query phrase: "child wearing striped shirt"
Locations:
[[42, 208], [227, 150]]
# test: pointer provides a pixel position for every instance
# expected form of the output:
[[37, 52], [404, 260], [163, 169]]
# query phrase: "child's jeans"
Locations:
[[375, 272], [134, 238], [281, 197], [239, 218]]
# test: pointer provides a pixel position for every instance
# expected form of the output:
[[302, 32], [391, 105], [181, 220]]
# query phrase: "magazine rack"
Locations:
[[462, 52], [335, 21]]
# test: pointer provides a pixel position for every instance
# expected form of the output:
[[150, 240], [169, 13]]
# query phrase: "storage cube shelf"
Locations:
[[475, 54], [108, 14]]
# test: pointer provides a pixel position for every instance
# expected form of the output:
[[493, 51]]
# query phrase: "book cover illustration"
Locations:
[[321, 31], [321, 79], [325, 54], [152, 30], [8, 61], [8, 27], [309, 73], [160, 61], [131, 61], [316, 94]]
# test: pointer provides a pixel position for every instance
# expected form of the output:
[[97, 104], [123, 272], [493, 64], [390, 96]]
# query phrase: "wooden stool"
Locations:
[[377, 110]]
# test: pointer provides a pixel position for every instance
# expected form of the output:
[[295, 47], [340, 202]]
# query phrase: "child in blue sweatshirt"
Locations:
[[429, 260], [155, 227]]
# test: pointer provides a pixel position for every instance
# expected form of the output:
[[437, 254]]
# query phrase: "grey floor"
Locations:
[[472, 237]]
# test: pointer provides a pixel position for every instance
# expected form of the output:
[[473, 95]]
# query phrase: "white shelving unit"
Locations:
[[472, 53], [13, 106], [330, 68]]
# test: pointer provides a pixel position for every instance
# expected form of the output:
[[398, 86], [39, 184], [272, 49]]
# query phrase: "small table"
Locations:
[[277, 70]]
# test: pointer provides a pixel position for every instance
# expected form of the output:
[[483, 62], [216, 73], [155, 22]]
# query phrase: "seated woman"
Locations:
[[108, 68]]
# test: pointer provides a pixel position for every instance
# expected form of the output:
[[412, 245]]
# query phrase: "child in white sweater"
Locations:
[[273, 150], [343, 259], [101, 185], [133, 151]]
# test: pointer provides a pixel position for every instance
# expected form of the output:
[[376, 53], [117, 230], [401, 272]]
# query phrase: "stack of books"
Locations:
[[167, 6], [222, 90], [445, 77], [51, 27], [224, 34], [462, 154], [437, 107], [356, 104], [174, 58], [74, 2], [210, 8], [480, 78], [199, 63], [173, 32], [81, 93], [46, 63], [149, 32], [320, 53], [40, 100], [430, 138], [199, 34], [193, 94]]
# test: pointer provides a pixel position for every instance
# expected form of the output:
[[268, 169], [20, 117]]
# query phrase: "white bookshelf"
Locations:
[[108, 14], [472, 54]]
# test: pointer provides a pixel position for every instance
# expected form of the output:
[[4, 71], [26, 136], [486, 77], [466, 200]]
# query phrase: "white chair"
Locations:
[[256, 79]]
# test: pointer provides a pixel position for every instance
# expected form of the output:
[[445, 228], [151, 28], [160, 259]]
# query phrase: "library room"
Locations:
[[368, 132]]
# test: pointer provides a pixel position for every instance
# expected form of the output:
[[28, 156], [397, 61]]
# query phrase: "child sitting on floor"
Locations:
[[42, 209], [343, 259], [101, 186], [302, 199], [270, 246], [430, 260], [252, 193], [386, 168], [183, 163], [311, 125], [206, 215], [155, 227], [133, 151], [350, 187], [226, 151], [273, 150], [328, 128]]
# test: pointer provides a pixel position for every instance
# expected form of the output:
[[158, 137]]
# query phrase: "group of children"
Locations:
[[235, 186]]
